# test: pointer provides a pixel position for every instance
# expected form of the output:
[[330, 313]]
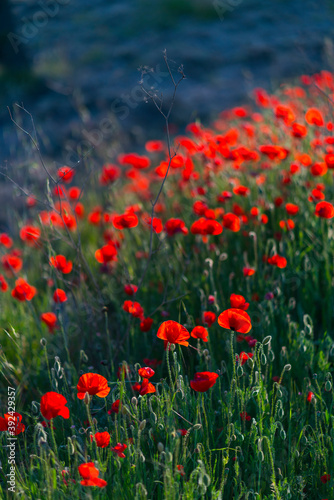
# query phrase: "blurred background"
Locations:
[[76, 64]]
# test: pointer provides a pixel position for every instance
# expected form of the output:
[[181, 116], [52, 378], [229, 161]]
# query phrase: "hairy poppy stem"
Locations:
[[168, 366]]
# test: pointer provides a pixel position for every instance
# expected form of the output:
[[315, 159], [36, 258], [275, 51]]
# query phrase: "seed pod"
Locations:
[[328, 385], [142, 425], [160, 447]]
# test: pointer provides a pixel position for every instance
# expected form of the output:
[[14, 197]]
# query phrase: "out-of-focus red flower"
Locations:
[[119, 449], [125, 221], [325, 478], [115, 407], [94, 384], [310, 396], [231, 222], [202, 381], [156, 225], [248, 271], [130, 289], [3, 284], [50, 319], [23, 291], [324, 209], [53, 405], [174, 226], [291, 209], [134, 160], [238, 302], [11, 263], [89, 474], [146, 324], [110, 173], [5, 240], [235, 319], [30, 235], [244, 416], [59, 296], [314, 117], [133, 308], [154, 146], [65, 174], [206, 226], [107, 253], [278, 261], [61, 264]]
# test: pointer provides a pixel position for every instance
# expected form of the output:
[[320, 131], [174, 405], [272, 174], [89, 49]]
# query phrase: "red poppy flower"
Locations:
[[94, 384], [102, 439], [110, 173], [11, 263], [3, 284], [231, 222], [199, 332], [53, 405], [118, 449], [247, 271], [61, 263], [146, 324], [125, 221], [329, 159], [299, 130], [106, 254], [209, 318], [202, 381], [146, 372], [23, 291], [314, 117], [12, 422], [310, 396], [245, 417], [241, 190], [324, 209], [291, 209], [274, 152], [319, 169], [146, 387], [235, 319], [5, 240], [238, 302], [152, 362], [154, 146], [206, 226], [50, 319], [65, 174], [133, 308], [173, 332], [30, 235], [285, 113], [130, 289], [157, 224], [59, 296], [115, 407], [325, 478], [174, 226], [278, 261], [90, 474], [244, 356], [134, 160]]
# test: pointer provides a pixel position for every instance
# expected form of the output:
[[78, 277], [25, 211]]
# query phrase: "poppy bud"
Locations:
[[86, 398]]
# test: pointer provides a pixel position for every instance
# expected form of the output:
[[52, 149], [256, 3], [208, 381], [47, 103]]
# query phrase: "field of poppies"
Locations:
[[167, 321]]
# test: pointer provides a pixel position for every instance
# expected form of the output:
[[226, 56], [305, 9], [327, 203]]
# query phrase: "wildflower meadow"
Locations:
[[167, 319]]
